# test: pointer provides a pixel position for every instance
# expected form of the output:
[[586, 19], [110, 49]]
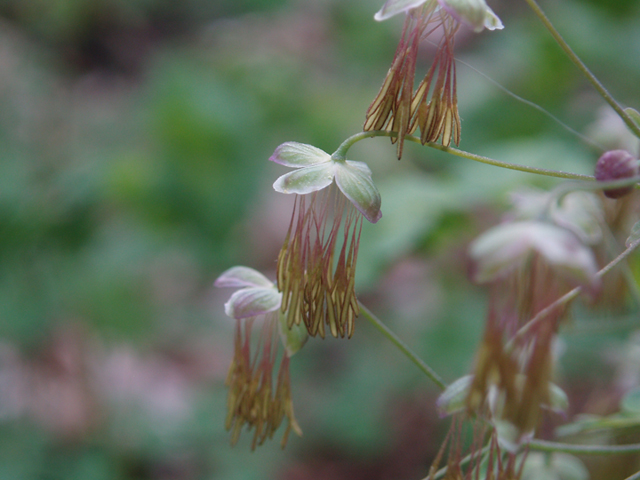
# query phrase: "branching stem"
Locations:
[[545, 446], [567, 297], [584, 69]]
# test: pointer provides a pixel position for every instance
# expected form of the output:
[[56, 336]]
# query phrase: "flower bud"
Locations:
[[616, 165]]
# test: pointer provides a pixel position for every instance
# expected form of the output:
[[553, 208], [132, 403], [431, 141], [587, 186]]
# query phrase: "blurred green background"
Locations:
[[134, 138]]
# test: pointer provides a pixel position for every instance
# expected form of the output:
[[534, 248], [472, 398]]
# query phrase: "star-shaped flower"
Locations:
[[316, 170]]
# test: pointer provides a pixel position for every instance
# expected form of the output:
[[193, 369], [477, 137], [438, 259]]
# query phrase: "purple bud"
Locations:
[[616, 165]]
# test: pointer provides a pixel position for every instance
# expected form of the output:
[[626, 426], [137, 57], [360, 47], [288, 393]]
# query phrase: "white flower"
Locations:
[[316, 169], [474, 13]]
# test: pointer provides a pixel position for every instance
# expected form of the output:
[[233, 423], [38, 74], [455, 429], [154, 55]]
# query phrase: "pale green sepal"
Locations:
[[474, 13], [492, 21], [454, 398], [630, 403], [292, 338], [356, 184], [634, 235], [553, 466], [394, 7], [362, 167], [510, 438], [306, 180], [558, 400], [242, 277], [294, 154], [634, 114], [253, 301]]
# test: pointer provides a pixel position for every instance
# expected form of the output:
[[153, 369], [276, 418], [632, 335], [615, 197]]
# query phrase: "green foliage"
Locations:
[[134, 139]]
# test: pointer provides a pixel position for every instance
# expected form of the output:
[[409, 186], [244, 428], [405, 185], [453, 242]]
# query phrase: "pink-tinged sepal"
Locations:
[[354, 180], [394, 7], [297, 155], [252, 301], [474, 13], [239, 277]]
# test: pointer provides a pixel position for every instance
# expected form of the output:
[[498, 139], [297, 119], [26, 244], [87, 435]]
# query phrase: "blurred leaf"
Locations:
[[630, 403], [634, 236]]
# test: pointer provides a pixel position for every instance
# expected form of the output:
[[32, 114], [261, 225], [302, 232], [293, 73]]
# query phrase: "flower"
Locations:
[[253, 401], [434, 106], [316, 282]]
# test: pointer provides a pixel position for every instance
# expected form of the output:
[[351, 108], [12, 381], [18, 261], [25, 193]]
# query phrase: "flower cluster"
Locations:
[[433, 107], [315, 286], [316, 267]]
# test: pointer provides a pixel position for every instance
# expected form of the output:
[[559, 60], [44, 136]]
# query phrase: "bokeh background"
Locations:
[[134, 138]]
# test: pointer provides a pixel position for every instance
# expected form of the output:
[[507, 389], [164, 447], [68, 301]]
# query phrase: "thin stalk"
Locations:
[[546, 446], [341, 152], [584, 69], [443, 471], [555, 447], [612, 246], [510, 166], [426, 369]]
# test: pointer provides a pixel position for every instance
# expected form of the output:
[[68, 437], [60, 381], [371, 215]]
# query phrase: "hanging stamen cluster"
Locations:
[[487, 463], [512, 378], [437, 114], [252, 400], [397, 108], [433, 107], [318, 288]]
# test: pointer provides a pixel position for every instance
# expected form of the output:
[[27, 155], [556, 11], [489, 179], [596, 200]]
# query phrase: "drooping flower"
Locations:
[[529, 264], [433, 108], [254, 399], [316, 266]]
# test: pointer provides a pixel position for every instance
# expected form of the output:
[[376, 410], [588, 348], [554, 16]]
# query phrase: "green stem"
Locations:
[[612, 246], [583, 68], [555, 447], [545, 446], [426, 369], [510, 166], [341, 152]]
